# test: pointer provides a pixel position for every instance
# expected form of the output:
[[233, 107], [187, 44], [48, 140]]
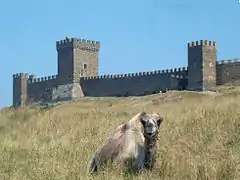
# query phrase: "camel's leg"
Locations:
[[139, 163]]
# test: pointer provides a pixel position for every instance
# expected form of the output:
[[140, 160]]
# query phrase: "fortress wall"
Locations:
[[39, 88], [228, 71], [132, 84]]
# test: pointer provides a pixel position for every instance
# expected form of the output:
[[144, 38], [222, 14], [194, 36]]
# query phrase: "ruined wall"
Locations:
[[133, 84], [41, 88], [228, 72]]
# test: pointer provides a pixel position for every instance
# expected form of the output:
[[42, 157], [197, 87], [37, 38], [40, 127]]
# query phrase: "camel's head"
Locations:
[[151, 123]]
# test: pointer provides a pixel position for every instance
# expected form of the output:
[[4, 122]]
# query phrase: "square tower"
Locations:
[[76, 58], [20, 89], [202, 57]]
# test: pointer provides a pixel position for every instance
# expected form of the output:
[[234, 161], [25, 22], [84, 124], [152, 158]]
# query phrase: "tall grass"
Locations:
[[199, 138]]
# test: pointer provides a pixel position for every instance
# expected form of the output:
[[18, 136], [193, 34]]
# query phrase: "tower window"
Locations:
[[85, 66]]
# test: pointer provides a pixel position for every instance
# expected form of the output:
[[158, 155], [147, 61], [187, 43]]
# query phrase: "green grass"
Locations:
[[199, 138]]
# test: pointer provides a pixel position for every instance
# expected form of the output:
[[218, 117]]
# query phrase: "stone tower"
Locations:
[[202, 57], [76, 58], [20, 89]]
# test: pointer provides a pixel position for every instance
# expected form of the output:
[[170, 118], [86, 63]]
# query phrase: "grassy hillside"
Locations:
[[199, 138]]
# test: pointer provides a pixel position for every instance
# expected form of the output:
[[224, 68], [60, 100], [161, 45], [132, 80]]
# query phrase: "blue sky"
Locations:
[[135, 35]]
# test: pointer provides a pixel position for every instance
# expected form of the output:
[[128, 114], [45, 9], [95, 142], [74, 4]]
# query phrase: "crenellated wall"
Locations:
[[133, 83], [41, 88], [228, 72], [27, 88], [76, 42], [78, 75]]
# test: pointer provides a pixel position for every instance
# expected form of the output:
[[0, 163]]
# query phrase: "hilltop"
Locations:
[[199, 138]]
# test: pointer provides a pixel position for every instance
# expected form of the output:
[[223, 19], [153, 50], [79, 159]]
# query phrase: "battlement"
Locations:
[[202, 43], [79, 58], [78, 43], [18, 75], [32, 76], [139, 74], [42, 79], [229, 61]]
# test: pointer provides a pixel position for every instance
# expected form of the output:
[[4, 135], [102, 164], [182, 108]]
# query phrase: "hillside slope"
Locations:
[[199, 138]]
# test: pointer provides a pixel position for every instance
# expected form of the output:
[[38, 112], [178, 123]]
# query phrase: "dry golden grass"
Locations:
[[199, 138]]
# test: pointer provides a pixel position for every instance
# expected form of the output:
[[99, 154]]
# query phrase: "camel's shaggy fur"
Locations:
[[126, 145]]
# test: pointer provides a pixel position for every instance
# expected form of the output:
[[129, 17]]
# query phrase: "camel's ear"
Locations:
[[143, 122], [142, 115], [159, 121]]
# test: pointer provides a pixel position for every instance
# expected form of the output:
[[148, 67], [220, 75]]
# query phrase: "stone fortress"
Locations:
[[78, 75]]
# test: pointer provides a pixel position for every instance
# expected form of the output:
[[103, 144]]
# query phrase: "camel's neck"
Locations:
[[150, 142]]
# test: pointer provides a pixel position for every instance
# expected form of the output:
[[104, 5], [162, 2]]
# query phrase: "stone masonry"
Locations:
[[202, 56], [78, 75]]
